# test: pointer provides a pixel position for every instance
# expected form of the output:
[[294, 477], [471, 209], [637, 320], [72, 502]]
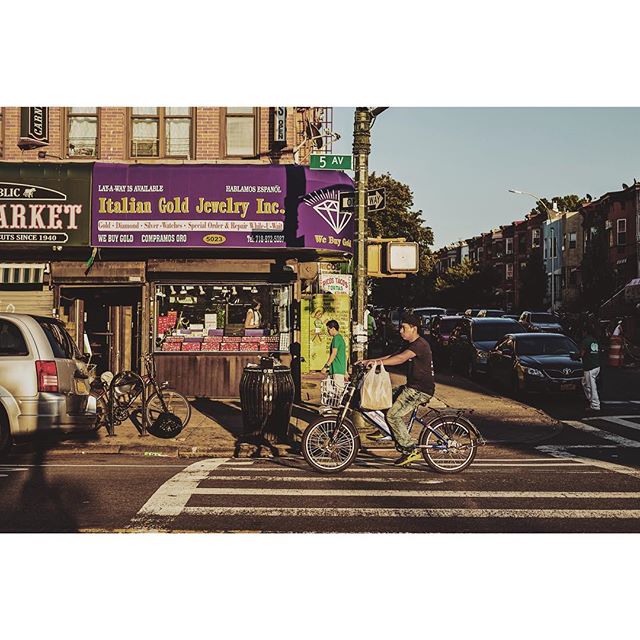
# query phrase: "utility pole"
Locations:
[[363, 121]]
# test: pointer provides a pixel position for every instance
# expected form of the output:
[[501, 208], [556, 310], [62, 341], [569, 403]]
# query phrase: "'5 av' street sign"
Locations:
[[330, 161], [376, 200]]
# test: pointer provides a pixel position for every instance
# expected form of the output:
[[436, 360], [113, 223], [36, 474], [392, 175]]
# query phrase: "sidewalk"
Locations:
[[215, 428]]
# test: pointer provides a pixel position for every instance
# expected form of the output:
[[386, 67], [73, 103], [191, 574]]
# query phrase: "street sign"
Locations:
[[376, 200], [330, 161]]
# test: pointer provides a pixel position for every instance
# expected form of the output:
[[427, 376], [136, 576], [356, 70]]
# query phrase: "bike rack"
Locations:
[[141, 427]]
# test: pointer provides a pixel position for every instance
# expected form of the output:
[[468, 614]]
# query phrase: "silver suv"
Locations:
[[44, 380]]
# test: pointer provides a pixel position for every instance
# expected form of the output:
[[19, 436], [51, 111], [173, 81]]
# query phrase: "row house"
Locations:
[[612, 220]]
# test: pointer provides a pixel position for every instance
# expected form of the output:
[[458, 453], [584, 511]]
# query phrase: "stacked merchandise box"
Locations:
[[191, 346], [171, 346], [211, 344]]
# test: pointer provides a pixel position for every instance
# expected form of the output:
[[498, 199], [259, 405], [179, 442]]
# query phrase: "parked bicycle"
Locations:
[[330, 444], [128, 396]]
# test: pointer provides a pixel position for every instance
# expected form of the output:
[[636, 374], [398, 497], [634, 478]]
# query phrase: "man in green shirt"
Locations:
[[337, 362], [590, 352]]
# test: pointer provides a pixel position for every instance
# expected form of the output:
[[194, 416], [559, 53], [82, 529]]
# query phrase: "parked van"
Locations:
[[44, 379]]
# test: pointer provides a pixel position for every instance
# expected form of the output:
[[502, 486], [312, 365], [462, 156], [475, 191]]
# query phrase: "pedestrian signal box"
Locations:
[[391, 258]]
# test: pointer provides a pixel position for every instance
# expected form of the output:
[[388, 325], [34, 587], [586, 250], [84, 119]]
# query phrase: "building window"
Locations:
[[621, 228], [82, 132], [161, 132], [535, 238], [240, 131], [573, 239], [509, 271], [508, 245]]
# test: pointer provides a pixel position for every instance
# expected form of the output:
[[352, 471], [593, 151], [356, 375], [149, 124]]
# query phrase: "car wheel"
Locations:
[[5, 435]]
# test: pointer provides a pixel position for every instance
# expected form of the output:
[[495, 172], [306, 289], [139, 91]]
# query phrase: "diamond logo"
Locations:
[[326, 203]]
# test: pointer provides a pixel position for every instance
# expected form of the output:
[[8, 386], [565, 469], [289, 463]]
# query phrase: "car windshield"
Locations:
[[493, 331], [493, 313], [61, 343], [544, 317], [545, 346], [447, 325]]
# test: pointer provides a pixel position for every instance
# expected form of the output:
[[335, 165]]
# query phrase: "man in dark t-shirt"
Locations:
[[419, 389]]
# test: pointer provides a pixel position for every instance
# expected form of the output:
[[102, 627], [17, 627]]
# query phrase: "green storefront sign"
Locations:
[[45, 204]]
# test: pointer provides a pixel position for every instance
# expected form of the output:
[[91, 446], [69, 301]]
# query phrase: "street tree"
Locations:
[[465, 285], [400, 220]]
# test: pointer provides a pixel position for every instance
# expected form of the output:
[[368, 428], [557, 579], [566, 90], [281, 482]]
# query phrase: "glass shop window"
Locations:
[[223, 317]]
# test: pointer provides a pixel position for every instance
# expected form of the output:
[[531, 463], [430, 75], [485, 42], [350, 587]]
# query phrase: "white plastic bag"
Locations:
[[376, 392]]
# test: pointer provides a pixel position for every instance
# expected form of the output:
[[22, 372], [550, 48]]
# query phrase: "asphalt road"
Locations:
[[585, 479], [505, 490]]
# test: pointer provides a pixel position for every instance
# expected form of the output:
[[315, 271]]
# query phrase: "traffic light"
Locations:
[[391, 258]]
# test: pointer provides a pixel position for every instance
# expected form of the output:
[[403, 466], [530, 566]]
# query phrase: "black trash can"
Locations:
[[266, 398]]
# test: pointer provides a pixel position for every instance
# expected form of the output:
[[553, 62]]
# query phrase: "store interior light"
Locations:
[[201, 291], [234, 291], [173, 290], [160, 294], [183, 290], [254, 290]]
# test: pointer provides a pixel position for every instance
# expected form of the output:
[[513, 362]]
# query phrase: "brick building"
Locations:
[[172, 218]]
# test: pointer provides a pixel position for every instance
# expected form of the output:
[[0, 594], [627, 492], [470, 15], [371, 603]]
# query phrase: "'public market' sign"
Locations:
[[45, 204]]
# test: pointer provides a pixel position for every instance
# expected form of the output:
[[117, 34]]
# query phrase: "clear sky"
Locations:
[[460, 162]]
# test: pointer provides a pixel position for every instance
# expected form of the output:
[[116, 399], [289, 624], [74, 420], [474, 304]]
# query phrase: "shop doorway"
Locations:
[[108, 320]]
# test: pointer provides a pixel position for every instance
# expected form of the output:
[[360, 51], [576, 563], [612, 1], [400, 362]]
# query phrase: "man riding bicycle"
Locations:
[[419, 389]]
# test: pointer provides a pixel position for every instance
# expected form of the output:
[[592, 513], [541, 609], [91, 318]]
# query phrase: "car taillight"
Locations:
[[47, 373]]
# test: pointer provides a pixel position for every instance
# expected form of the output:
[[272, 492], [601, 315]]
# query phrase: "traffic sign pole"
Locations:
[[361, 149]]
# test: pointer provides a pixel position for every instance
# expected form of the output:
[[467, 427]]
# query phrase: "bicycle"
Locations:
[[330, 443], [128, 391]]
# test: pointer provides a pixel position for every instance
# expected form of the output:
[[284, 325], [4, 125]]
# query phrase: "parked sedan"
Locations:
[[44, 380], [537, 362], [441, 329], [473, 338], [538, 321]]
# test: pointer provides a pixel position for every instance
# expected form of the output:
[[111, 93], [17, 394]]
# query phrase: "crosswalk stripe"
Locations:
[[394, 493], [327, 512], [560, 451], [624, 423], [602, 434], [317, 478], [172, 496]]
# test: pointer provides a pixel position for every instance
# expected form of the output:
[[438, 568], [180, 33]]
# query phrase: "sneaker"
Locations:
[[408, 457], [378, 436]]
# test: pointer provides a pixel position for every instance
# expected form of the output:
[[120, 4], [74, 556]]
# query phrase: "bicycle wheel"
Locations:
[[175, 402], [451, 446], [323, 455]]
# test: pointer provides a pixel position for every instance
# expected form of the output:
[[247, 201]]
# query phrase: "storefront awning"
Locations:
[[21, 273]]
